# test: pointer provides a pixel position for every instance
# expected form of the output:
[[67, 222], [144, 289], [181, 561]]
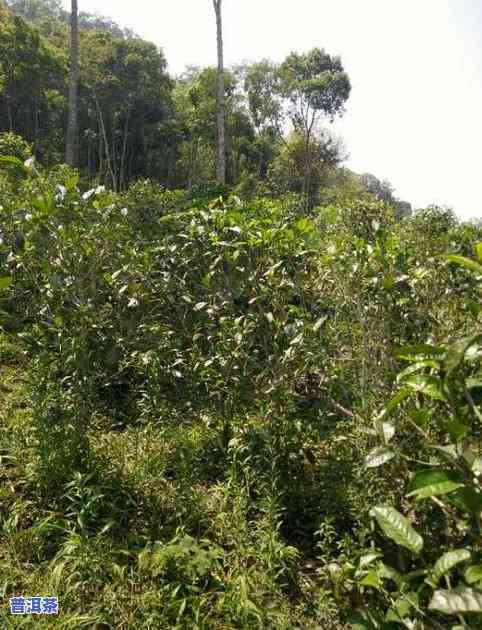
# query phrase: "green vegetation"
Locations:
[[208, 403], [251, 405], [135, 121]]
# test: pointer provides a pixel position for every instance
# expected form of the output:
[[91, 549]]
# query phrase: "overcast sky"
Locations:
[[415, 113]]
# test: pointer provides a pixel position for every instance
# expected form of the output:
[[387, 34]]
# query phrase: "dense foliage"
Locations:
[[208, 417], [251, 405], [136, 121]]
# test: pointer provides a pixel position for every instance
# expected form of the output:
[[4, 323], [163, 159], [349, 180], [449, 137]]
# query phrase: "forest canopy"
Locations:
[[136, 121]]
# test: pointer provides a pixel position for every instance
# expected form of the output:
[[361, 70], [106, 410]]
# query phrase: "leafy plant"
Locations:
[[443, 381]]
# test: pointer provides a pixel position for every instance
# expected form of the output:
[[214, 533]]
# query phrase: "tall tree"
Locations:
[[316, 86], [221, 161], [72, 124], [32, 83]]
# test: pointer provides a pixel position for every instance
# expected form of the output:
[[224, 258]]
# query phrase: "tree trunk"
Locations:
[[106, 141], [72, 124], [308, 166], [122, 177], [221, 159], [9, 112]]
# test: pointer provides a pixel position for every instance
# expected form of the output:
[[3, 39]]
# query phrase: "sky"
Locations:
[[415, 112]]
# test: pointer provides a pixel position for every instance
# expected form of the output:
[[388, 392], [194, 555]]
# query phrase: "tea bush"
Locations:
[[237, 413]]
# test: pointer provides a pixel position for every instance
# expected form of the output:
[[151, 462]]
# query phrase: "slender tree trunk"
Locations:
[[114, 155], [194, 161], [106, 141], [307, 174], [122, 177], [100, 155], [308, 166], [191, 166], [72, 124], [221, 159], [9, 111]]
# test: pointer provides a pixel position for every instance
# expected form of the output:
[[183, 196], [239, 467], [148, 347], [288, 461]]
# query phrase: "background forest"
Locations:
[[136, 121], [242, 404]]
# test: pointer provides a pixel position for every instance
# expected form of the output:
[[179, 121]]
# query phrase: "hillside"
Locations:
[[242, 404]]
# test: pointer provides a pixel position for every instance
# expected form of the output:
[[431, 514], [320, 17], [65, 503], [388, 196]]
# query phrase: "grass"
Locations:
[[166, 531]]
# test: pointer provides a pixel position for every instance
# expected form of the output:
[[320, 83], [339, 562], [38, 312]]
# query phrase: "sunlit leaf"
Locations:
[[456, 351], [419, 352], [319, 323], [431, 483], [467, 263], [298, 339], [371, 579], [459, 600], [10, 159], [368, 558], [386, 430], [397, 528], [473, 574], [378, 456], [447, 561], [389, 573], [478, 251], [415, 367], [429, 385]]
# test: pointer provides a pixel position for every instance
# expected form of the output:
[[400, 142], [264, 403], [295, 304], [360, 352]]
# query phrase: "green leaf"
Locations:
[[368, 558], [478, 251], [5, 282], [364, 620], [421, 417], [403, 607], [386, 430], [420, 352], [459, 600], [429, 385], [456, 428], [467, 263], [393, 404], [456, 352], [389, 573], [371, 579], [72, 181], [378, 456], [397, 528], [388, 282], [473, 306], [447, 561], [432, 483], [415, 367], [467, 499], [10, 159], [473, 573]]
